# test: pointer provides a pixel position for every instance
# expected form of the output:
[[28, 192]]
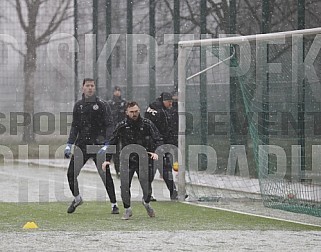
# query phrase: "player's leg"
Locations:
[[126, 176], [152, 176], [168, 177], [145, 177], [117, 161], [78, 159], [108, 181]]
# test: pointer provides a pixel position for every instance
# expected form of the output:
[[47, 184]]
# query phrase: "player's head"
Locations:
[[88, 87], [132, 110], [117, 91], [167, 99]]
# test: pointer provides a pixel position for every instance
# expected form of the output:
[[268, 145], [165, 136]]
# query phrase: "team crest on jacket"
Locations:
[[95, 107]]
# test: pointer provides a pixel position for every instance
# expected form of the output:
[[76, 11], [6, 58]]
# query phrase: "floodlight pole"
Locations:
[[95, 53], [301, 93], [129, 50], [109, 60], [265, 28], [76, 84], [152, 51], [202, 165], [233, 79], [176, 39]]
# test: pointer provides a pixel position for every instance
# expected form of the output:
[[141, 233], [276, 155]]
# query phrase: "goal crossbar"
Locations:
[[244, 39]]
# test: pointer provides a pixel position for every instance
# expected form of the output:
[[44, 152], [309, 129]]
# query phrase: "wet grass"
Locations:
[[170, 216]]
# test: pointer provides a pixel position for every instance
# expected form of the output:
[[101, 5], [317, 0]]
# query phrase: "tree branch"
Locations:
[[16, 49], [169, 8], [19, 12], [253, 12], [59, 16]]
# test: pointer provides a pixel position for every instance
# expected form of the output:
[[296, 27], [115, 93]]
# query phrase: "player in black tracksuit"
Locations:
[[91, 126], [159, 113], [139, 135], [118, 107]]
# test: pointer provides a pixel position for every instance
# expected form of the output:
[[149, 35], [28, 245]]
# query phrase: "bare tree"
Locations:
[[29, 12], [249, 15]]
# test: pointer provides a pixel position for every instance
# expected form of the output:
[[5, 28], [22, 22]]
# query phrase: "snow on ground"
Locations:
[[29, 183]]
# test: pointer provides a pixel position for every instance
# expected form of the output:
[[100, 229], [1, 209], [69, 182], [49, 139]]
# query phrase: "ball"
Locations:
[[291, 195], [175, 166]]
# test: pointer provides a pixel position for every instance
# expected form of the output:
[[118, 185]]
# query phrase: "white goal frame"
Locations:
[[183, 47]]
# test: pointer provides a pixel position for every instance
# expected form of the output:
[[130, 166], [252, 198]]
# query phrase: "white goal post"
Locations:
[[183, 54]]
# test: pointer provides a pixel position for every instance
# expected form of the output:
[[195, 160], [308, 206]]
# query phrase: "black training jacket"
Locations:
[[142, 132], [118, 107], [92, 122], [161, 117]]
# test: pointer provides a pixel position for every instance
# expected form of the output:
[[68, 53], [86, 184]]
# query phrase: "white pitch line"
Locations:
[[255, 215]]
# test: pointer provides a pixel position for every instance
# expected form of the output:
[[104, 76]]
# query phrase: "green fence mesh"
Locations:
[[279, 99]]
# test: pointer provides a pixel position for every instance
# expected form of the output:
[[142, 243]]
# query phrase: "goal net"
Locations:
[[250, 119]]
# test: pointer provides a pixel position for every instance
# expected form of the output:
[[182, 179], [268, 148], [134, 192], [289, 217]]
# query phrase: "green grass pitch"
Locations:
[[170, 216]]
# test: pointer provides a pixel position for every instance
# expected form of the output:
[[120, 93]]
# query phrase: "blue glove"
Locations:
[[67, 151], [103, 150]]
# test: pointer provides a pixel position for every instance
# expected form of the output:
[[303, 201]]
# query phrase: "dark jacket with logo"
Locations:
[[161, 117], [141, 131], [92, 122]]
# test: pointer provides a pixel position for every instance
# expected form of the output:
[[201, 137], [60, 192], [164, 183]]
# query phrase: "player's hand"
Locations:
[[105, 165], [67, 151], [153, 156], [103, 150]]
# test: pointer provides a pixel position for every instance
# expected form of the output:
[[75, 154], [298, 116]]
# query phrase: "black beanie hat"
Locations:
[[166, 96], [117, 88]]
